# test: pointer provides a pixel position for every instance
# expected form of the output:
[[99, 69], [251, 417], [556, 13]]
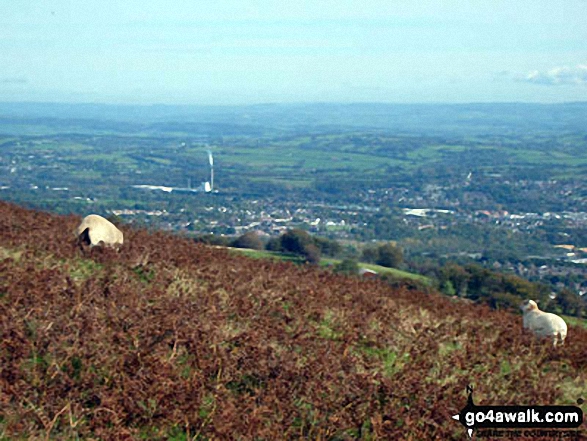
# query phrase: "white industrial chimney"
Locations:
[[211, 161]]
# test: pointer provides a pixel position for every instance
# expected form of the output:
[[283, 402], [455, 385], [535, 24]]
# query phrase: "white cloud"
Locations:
[[563, 75]]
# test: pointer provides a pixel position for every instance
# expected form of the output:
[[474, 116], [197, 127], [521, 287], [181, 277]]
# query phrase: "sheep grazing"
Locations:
[[95, 230], [543, 324]]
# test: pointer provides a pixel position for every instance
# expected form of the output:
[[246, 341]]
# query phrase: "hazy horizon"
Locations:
[[33, 102], [267, 52]]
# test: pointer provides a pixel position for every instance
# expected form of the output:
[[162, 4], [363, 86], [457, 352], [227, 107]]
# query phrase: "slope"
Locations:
[[169, 339]]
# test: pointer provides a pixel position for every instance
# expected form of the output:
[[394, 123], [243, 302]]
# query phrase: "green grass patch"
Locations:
[[83, 269], [262, 254], [327, 328], [382, 270], [327, 261], [10, 253], [145, 275], [575, 321], [390, 361]]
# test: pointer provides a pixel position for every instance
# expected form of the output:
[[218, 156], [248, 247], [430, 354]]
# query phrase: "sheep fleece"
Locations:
[[100, 230], [545, 324]]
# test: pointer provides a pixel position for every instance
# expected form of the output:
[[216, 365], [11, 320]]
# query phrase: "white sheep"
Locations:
[[543, 324], [96, 230]]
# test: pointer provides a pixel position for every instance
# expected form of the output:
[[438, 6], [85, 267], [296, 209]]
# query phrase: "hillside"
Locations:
[[170, 339], [330, 262], [471, 118]]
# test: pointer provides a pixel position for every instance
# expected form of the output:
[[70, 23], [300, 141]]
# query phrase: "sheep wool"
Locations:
[[95, 229], [543, 324]]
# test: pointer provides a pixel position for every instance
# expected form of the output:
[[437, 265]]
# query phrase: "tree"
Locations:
[[446, 287], [274, 244], [213, 239], [347, 266], [296, 241], [369, 254], [457, 276], [328, 247], [389, 256], [569, 302], [311, 253], [504, 300], [248, 240]]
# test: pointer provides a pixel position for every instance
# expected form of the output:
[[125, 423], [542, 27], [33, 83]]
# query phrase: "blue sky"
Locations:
[[243, 52]]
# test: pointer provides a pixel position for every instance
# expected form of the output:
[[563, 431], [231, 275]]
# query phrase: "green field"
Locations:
[[575, 321], [262, 254], [326, 262], [299, 161]]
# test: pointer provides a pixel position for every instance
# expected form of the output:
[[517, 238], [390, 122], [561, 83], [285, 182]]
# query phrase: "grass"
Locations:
[[262, 254], [575, 321], [294, 156], [394, 272], [382, 270], [327, 261], [10, 253]]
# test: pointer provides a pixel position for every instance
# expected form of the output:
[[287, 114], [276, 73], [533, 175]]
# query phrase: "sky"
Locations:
[[227, 52]]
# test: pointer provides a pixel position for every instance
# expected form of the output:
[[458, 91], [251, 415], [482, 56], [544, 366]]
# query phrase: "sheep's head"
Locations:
[[529, 305]]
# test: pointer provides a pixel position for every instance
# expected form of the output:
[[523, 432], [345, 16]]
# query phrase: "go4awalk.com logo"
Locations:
[[518, 417]]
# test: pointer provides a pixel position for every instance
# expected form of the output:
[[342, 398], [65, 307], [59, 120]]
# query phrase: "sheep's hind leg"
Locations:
[[84, 239], [80, 244], [558, 339]]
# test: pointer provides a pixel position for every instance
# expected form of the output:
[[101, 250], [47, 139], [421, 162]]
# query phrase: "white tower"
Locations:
[[211, 161]]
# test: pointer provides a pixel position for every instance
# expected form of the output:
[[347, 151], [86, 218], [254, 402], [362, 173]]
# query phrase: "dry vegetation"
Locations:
[[169, 339]]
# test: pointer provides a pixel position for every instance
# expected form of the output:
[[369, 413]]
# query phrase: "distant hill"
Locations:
[[439, 119], [170, 339]]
